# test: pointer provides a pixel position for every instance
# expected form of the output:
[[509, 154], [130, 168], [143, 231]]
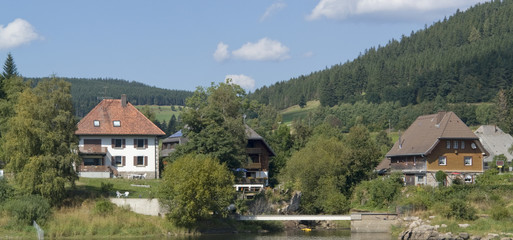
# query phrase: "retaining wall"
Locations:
[[140, 205]]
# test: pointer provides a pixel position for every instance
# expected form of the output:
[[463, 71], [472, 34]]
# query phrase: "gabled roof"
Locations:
[[132, 122], [252, 135], [425, 133], [495, 141]]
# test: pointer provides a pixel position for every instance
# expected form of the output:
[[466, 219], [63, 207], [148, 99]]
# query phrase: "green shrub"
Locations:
[[103, 207], [6, 190], [106, 188], [440, 177], [461, 210], [498, 212], [377, 193], [26, 209]]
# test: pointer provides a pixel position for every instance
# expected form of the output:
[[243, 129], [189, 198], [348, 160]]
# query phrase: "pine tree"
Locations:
[[10, 69]]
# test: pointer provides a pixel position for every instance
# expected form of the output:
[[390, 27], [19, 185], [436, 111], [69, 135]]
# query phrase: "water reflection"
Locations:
[[294, 235]]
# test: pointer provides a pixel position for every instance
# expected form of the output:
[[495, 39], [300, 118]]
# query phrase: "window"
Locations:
[[462, 144], [473, 146], [468, 161], [140, 143], [468, 179], [448, 144], [455, 144], [254, 158], [96, 123], [116, 123], [420, 179], [93, 161], [442, 161], [141, 161], [118, 143], [118, 161]]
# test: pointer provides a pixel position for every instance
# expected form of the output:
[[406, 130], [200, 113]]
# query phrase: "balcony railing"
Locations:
[[94, 168], [250, 180], [92, 150], [253, 165]]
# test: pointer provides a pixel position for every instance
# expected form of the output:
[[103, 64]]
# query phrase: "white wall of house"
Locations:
[[129, 152]]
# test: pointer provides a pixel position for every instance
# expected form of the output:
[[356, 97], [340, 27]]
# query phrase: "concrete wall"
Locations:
[[94, 174], [140, 205], [372, 222]]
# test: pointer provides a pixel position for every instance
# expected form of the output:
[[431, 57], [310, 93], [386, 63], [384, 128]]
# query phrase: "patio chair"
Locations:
[[126, 194], [143, 176], [118, 194]]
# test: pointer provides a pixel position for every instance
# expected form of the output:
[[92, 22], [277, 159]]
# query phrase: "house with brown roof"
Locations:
[[116, 140], [437, 142], [254, 173]]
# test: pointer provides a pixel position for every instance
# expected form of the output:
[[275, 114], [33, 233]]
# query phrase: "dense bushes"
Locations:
[[103, 207], [25, 209], [378, 193]]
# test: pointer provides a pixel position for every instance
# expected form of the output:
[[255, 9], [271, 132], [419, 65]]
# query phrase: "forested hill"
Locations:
[[86, 93], [466, 58]]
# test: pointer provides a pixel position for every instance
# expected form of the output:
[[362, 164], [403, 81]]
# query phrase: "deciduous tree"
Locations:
[[196, 188], [40, 145]]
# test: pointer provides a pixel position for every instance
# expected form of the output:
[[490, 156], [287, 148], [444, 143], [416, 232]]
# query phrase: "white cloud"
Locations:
[[272, 9], [16, 33], [221, 52], [242, 80], [263, 50], [342, 9]]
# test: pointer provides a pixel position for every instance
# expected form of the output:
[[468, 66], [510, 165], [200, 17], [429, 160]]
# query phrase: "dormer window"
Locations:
[[96, 123], [116, 123]]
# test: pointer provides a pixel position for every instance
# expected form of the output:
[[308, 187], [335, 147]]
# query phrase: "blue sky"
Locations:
[[185, 44]]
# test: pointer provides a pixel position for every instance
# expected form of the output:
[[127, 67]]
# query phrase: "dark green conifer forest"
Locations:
[[467, 57], [87, 93]]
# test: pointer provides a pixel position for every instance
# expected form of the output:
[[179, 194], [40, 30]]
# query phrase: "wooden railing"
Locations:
[[92, 150], [253, 165]]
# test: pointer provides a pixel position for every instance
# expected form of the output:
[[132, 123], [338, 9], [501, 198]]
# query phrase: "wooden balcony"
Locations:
[[250, 181], [92, 150], [253, 166], [409, 166]]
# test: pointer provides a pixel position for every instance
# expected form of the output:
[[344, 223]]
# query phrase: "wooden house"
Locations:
[[437, 142]]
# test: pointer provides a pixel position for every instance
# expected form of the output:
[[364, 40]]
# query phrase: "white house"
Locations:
[[116, 140]]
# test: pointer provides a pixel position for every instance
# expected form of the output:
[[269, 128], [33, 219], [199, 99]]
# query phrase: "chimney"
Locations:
[[123, 100], [439, 117], [400, 140]]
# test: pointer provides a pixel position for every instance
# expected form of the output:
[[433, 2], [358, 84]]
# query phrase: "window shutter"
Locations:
[[123, 161], [113, 161], [135, 142], [113, 143], [146, 161], [145, 143], [123, 143], [135, 161]]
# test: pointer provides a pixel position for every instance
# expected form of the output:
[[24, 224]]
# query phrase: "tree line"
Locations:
[[88, 92], [467, 57]]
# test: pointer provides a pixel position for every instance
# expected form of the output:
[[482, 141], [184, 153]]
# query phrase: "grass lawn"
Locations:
[[137, 188], [162, 113], [295, 112]]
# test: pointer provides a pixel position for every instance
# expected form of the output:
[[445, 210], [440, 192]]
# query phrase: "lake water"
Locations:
[[295, 235]]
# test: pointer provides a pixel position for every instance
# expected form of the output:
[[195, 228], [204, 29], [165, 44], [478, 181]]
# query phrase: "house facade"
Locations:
[[116, 140], [437, 142]]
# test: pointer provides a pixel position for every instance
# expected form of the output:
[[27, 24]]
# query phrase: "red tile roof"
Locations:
[[423, 134], [132, 122]]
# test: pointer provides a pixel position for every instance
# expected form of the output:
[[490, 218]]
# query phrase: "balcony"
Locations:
[[93, 150], [253, 165], [250, 180], [409, 166]]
